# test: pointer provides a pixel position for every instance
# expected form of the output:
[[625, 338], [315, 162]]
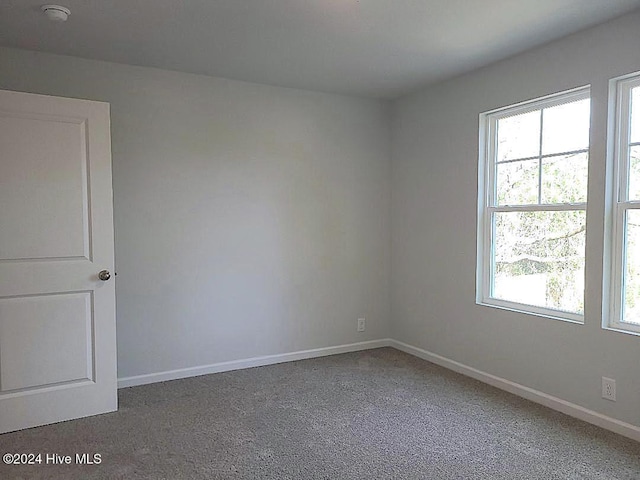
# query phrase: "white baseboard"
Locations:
[[248, 363], [568, 408]]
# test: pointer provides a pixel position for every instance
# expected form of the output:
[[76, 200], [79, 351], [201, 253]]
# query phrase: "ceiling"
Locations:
[[378, 48]]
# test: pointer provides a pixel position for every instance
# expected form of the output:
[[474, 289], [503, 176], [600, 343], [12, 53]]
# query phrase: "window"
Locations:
[[625, 280], [532, 206]]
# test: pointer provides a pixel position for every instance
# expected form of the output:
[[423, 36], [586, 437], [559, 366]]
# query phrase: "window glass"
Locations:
[[519, 136], [634, 173], [517, 182], [538, 258], [631, 307], [566, 128], [564, 178], [635, 115]]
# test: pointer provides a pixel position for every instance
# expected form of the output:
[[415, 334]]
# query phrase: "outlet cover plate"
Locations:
[[609, 389]]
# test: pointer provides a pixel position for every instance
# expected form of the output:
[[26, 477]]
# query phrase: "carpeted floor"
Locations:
[[366, 415]]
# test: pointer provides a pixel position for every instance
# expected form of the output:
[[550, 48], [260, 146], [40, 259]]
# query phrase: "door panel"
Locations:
[[58, 327], [45, 182], [57, 318]]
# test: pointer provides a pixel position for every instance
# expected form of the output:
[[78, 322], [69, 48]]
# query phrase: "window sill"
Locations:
[[621, 330], [523, 309]]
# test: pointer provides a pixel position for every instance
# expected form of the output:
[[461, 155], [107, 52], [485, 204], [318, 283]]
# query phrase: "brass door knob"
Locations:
[[104, 275]]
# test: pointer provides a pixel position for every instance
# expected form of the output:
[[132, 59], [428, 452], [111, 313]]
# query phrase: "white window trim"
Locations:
[[486, 172], [618, 159]]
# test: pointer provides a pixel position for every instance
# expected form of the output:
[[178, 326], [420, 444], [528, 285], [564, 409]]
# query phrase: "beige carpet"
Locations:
[[367, 415]]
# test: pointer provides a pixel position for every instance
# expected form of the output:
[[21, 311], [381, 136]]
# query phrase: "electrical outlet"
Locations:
[[609, 389], [362, 324]]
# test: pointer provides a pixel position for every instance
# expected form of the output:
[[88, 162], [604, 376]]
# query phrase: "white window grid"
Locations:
[[487, 198], [622, 87]]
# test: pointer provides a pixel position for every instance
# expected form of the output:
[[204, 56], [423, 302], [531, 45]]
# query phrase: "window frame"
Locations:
[[620, 89], [487, 205]]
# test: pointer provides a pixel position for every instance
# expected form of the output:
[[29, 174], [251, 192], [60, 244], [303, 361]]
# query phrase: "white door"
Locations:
[[57, 318]]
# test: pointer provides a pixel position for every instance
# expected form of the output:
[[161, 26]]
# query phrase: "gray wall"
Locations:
[[250, 220], [434, 188]]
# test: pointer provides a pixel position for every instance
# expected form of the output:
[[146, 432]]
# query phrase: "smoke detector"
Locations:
[[56, 13]]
